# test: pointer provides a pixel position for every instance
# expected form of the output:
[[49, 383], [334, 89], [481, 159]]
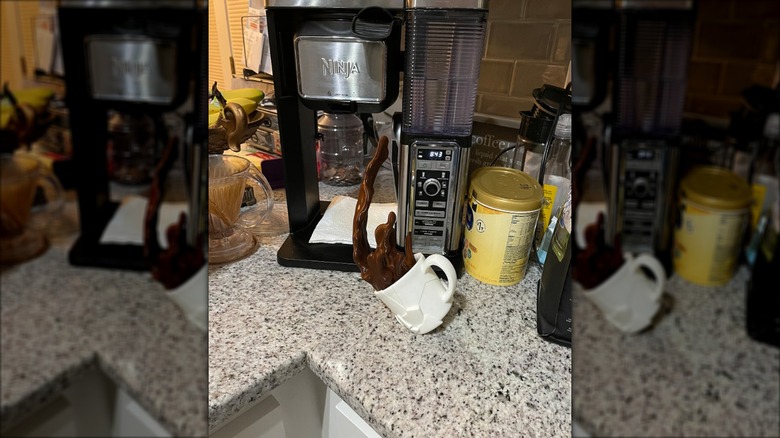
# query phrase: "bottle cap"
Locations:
[[506, 189], [534, 129]]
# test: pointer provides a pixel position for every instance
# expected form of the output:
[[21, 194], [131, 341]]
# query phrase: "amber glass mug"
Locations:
[[240, 198], [30, 196]]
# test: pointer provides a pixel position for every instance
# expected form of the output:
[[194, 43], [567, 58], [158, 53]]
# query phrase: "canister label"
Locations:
[[497, 243], [550, 192], [707, 243], [759, 193]]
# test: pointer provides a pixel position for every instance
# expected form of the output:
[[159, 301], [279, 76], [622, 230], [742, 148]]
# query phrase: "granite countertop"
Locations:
[[484, 372], [59, 321], [695, 373]]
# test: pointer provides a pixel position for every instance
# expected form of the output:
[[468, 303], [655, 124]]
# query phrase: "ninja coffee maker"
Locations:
[[137, 57], [344, 56]]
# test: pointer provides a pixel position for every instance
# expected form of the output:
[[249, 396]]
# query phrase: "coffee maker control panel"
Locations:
[[642, 194], [434, 173]]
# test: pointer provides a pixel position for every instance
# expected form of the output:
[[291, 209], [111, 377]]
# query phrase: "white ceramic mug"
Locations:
[[192, 298], [420, 299], [629, 299]]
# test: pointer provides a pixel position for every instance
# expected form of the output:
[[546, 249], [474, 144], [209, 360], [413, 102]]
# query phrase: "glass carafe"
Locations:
[[341, 149], [132, 148]]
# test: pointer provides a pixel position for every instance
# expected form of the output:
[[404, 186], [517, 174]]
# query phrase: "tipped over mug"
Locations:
[[629, 299], [420, 299]]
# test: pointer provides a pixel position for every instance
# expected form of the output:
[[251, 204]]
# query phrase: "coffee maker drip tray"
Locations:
[[89, 252]]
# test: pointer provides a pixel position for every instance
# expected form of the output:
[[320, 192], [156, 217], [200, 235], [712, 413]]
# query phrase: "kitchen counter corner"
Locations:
[[484, 372]]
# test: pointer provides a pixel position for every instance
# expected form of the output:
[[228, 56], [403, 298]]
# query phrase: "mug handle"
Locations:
[[48, 180], [651, 263], [440, 261], [258, 177]]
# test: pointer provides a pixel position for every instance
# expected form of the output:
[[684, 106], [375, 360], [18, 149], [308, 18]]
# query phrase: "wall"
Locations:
[[17, 56], [528, 45], [736, 44]]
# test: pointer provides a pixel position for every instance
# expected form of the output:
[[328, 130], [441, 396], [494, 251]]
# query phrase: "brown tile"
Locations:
[[504, 106], [529, 75], [505, 9], [770, 44], [559, 9], [744, 41], [688, 100], [562, 49], [739, 76], [508, 40], [495, 76], [718, 10], [762, 9], [711, 106], [704, 76]]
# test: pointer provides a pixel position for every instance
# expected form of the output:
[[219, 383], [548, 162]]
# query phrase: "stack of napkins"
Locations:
[[336, 224], [127, 225]]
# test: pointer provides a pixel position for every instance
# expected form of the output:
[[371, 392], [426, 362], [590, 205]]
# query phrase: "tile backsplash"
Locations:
[[736, 45], [528, 45]]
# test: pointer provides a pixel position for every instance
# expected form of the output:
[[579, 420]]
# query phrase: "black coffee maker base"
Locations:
[[87, 251], [297, 252]]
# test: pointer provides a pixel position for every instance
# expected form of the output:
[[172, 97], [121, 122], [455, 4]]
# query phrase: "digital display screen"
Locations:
[[430, 154], [641, 154]]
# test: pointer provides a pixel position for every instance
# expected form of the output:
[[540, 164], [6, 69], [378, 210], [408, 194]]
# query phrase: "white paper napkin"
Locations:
[[127, 225], [336, 224]]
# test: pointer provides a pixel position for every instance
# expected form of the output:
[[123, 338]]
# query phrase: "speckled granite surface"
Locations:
[[58, 321], [695, 373], [484, 372]]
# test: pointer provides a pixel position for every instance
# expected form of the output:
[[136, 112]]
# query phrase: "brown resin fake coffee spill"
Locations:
[[384, 265], [174, 265]]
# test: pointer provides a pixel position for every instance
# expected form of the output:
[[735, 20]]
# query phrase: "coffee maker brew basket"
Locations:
[[348, 61]]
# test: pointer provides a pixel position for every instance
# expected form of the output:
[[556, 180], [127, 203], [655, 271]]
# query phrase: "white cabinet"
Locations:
[[82, 409], [55, 419], [301, 407], [342, 422], [261, 420], [131, 420], [92, 406], [577, 431]]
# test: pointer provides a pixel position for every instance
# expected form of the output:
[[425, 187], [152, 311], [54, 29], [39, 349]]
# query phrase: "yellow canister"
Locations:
[[503, 208], [713, 213]]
